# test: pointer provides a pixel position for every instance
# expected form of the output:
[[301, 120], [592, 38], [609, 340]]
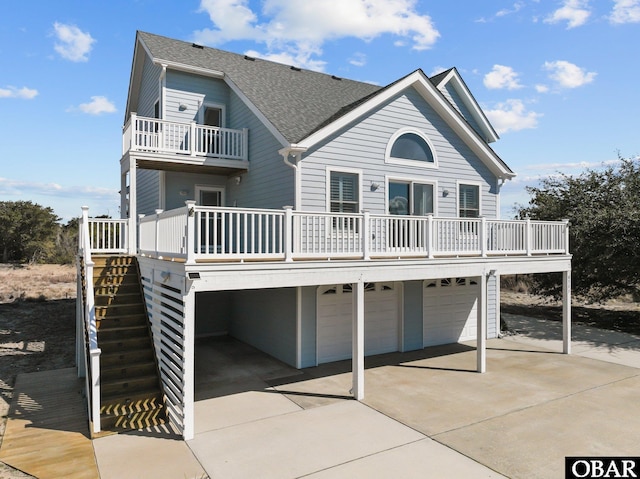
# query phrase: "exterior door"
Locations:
[[210, 225]]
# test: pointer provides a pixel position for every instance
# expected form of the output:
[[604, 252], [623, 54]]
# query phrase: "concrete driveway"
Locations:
[[425, 413]]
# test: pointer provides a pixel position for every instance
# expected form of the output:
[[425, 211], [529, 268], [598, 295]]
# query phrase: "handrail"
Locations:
[[194, 233], [92, 353], [146, 134]]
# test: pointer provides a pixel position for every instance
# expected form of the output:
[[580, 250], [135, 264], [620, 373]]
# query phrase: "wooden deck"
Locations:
[[47, 434]]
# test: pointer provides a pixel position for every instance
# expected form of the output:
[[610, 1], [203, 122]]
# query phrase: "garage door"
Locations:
[[335, 324], [450, 310]]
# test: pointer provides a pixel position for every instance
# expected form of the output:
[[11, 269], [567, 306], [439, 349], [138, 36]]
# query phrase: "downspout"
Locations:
[[296, 151]]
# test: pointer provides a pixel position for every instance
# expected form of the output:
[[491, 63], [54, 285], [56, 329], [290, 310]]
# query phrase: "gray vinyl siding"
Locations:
[[176, 182], [362, 146], [308, 326], [412, 312], [454, 98], [149, 88], [148, 191], [493, 308], [269, 183], [193, 91], [266, 319]]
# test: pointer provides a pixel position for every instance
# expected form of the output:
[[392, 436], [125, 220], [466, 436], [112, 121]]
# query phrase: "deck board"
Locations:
[[47, 434]]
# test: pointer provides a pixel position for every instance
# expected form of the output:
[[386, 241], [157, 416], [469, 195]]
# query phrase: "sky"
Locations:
[[558, 79]]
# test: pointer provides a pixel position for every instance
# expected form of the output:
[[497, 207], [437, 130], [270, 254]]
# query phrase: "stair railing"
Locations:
[[92, 351]]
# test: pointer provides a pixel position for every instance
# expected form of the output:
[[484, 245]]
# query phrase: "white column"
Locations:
[[189, 370], [481, 347], [358, 340], [566, 312], [133, 207]]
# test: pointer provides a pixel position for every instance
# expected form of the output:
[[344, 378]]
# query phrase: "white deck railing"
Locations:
[[107, 235], [194, 233], [86, 320], [170, 137]]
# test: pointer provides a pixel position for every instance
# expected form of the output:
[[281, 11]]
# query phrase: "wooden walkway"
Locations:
[[47, 433]]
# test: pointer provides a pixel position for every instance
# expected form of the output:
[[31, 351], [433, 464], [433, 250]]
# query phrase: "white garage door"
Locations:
[[334, 318], [450, 310]]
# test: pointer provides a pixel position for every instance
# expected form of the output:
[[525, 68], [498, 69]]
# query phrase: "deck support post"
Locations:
[[132, 213], [481, 343], [357, 353], [566, 312]]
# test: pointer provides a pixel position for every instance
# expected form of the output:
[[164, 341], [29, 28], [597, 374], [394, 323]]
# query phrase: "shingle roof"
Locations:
[[296, 101]]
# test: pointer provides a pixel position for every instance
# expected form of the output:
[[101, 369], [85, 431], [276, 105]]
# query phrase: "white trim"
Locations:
[[469, 101], [333, 169], [437, 101], [200, 188], [187, 68], [479, 184], [218, 106], [405, 161], [411, 181]]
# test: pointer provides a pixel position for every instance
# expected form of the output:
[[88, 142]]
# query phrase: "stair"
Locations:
[[131, 397]]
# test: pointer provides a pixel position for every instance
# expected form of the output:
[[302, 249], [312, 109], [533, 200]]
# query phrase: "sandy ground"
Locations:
[[37, 328]]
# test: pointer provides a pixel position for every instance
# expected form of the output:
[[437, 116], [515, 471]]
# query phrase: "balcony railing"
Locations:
[[196, 233], [142, 134]]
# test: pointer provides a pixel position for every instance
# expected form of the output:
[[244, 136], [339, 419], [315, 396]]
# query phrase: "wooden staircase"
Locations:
[[131, 396]]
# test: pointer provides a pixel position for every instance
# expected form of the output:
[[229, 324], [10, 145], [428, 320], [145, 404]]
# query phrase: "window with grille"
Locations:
[[344, 192], [469, 201]]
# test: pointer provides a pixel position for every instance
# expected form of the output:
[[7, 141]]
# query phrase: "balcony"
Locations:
[[196, 234], [161, 140]]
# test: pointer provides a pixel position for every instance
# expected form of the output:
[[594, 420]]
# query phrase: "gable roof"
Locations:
[[294, 100], [301, 106]]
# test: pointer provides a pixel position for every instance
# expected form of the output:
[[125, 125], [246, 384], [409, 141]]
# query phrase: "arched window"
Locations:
[[410, 146]]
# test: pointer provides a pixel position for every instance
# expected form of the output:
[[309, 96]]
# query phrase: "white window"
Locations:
[[344, 192], [468, 200], [409, 146]]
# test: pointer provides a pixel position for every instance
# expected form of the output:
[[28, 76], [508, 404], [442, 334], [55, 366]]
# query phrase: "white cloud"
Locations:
[[542, 88], [568, 75], [517, 6], [512, 115], [23, 93], [625, 11], [73, 44], [501, 77], [97, 106], [299, 29], [574, 12], [358, 59], [11, 187]]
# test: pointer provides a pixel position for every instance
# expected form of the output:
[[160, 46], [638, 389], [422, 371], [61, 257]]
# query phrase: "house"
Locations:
[[314, 217]]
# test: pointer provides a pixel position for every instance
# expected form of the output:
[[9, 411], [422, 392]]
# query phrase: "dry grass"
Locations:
[[39, 282]]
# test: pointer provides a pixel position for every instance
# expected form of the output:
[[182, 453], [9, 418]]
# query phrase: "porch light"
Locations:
[[182, 107], [375, 186]]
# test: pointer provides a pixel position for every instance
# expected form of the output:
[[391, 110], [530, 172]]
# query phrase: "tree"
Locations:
[[603, 208], [27, 231]]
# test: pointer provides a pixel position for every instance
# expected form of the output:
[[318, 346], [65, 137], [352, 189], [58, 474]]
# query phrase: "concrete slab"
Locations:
[[299, 443], [587, 341], [533, 442], [443, 393], [220, 412], [418, 460], [140, 455]]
